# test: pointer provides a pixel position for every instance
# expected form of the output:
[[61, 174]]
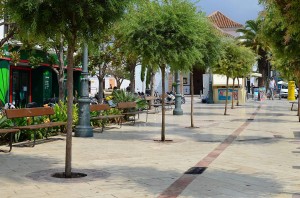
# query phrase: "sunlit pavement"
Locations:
[[252, 152]]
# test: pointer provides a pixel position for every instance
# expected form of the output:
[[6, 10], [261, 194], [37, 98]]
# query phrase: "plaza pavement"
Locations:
[[252, 152]]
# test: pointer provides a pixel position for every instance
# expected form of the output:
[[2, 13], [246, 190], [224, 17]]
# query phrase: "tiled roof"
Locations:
[[223, 21]]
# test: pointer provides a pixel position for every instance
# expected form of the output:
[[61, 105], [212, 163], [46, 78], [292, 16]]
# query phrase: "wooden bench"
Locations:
[[33, 112], [156, 103], [293, 102], [12, 132], [102, 108], [129, 109]]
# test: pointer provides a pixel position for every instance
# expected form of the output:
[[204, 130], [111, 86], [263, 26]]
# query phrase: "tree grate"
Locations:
[[195, 170]]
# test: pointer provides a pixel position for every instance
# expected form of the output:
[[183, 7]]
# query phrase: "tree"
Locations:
[[72, 19], [211, 51], [287, 11], [167, 34], [251, 38], [234, 59], [282, 35], [101, 56], [9, 25]]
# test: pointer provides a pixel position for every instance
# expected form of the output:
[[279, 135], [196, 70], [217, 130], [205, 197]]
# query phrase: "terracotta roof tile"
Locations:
[[223, 21]]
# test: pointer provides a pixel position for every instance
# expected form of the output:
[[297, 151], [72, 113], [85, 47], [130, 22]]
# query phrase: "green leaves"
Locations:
[[282, 33], [170, 32], [236, 60]]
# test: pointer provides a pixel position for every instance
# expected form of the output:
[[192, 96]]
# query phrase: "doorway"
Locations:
[[20, 90]]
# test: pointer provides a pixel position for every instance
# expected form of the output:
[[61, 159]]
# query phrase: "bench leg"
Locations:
[[10, 141], [147, 116], [34, 138], [120, 121], [102, 124]]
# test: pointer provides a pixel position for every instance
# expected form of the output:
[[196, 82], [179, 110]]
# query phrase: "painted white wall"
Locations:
[[221, 80], [95, 84], [141, 86], [1, 30], [205, 85]]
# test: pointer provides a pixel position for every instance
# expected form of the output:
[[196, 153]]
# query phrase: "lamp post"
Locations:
[[210, 89], [177, 110], [84, 128]]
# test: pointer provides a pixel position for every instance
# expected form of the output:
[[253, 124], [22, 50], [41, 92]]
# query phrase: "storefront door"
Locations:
[[20, 87]]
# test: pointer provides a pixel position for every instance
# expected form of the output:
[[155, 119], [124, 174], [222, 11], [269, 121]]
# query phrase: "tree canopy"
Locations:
[[251, 37], [167, 33], [73, 20], [236, 61]]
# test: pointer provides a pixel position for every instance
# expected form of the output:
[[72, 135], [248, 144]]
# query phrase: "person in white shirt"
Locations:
[[272, 86]]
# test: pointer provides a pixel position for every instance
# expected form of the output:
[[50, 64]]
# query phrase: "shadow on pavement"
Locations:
[[14, 167], [210, 183]]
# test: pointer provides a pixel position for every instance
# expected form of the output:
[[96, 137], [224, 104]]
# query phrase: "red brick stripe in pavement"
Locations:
[[176, 188]]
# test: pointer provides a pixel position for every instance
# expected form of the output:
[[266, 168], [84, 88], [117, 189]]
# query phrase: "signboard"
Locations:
[[222, 94], [255, 93], [262, 93], [47, 89]]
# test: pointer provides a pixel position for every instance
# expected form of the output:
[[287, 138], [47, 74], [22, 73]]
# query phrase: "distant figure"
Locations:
[[128, 88], [9, 106], [272, 85], [110, 86], [252, 90]]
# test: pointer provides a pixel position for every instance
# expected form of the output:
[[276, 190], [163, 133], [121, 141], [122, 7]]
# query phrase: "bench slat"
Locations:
[[106, 117], [28, 112], [9, 130], [99, 107], [126, 105], [40, 126]]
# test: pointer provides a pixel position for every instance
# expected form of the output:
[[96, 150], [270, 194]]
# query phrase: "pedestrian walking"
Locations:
[[272, 86]]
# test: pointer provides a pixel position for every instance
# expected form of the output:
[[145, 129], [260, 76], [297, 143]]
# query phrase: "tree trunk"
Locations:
[[192, 99], [68, 165], [132, 77], [163, 110], [152, 81], [101, 91], [61, 73], [232, 94], [237, 101], [262, 64], [226, 101]]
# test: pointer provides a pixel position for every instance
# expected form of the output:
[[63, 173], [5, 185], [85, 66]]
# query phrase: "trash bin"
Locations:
[[291, 90]]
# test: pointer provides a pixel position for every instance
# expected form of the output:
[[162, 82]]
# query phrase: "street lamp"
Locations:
[[84, 128], [210, 89], [177, 110]]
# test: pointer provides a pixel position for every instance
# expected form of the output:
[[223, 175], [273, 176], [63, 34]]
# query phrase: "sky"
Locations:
[[237, 10]]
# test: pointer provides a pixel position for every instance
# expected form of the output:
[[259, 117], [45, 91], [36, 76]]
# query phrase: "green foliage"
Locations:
[[281, 34], [252, 38], [287, 11], [15, 57], [169, 32], [4, 122], [124, 96], [236, 60], [112, 111], [141, 103], [60, 114], [35, 61]]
